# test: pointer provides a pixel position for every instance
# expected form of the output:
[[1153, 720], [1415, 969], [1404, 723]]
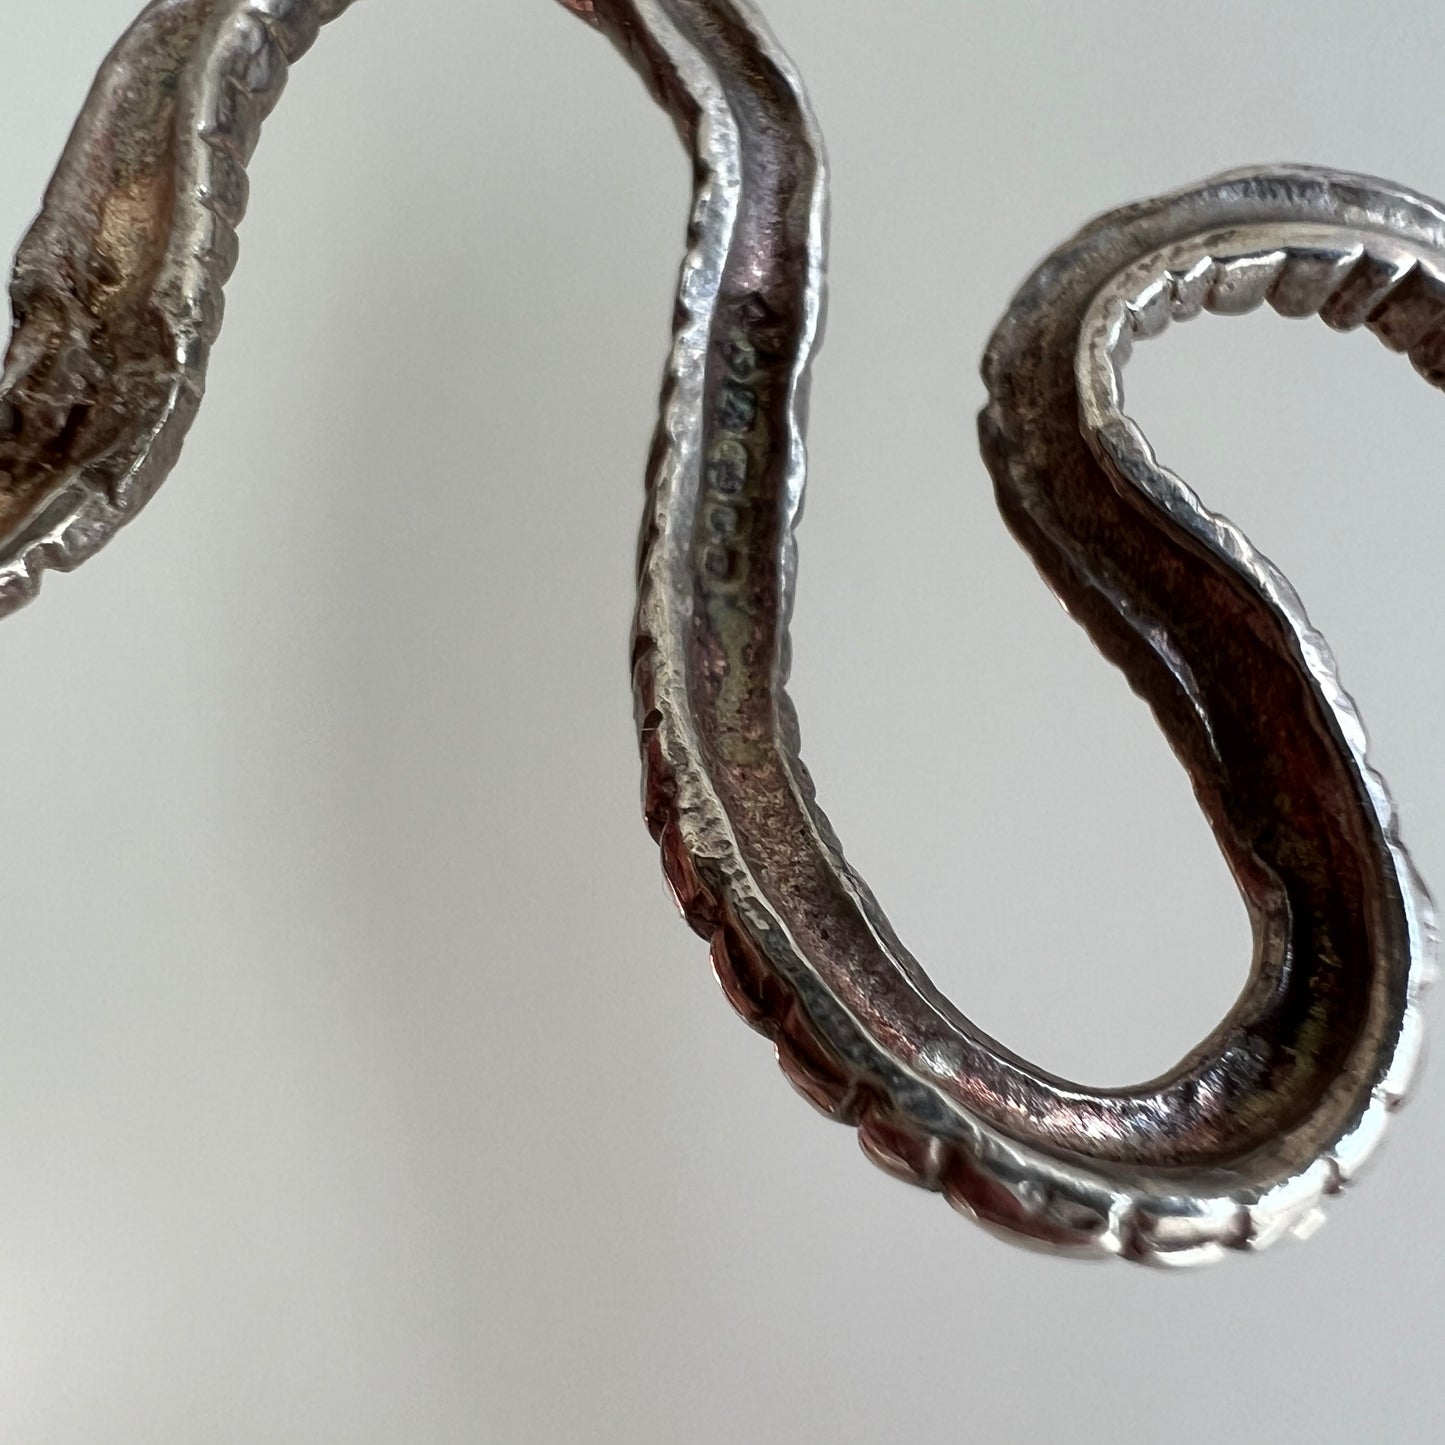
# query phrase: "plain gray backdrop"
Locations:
[[357, 1081]]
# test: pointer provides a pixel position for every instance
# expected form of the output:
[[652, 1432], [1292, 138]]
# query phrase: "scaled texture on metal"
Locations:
[[117, 302]]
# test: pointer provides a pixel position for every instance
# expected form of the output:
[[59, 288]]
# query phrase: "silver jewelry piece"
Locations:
[[117, 301]]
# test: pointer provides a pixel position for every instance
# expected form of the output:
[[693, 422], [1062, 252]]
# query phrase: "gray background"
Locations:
[[357, 1082]]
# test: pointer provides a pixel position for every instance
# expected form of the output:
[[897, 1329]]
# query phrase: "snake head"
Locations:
[[47, 389], [62, 397], [79, 394]]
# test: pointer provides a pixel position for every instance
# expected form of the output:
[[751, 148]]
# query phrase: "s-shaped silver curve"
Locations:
[[117, 301]]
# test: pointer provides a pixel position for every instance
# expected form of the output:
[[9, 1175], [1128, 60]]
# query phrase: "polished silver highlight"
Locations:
[[117, 302]]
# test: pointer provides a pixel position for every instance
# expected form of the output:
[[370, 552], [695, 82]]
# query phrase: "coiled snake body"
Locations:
[[117, 301]]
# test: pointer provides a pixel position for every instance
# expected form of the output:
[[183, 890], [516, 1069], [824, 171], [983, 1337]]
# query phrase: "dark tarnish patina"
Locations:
[[117, 299]]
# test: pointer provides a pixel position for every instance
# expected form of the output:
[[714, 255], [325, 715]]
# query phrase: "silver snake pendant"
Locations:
[[117, 302]]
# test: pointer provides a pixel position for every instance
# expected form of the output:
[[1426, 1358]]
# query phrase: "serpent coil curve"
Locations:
[[117, 302]]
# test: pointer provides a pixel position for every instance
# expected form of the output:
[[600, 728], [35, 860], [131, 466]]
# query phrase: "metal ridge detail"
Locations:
[[117, 297]]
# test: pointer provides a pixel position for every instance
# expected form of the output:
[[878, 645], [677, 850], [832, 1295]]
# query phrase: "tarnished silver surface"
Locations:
[[117, 300]]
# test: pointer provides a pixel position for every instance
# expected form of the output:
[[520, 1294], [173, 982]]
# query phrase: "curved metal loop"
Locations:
[[117, 301]]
